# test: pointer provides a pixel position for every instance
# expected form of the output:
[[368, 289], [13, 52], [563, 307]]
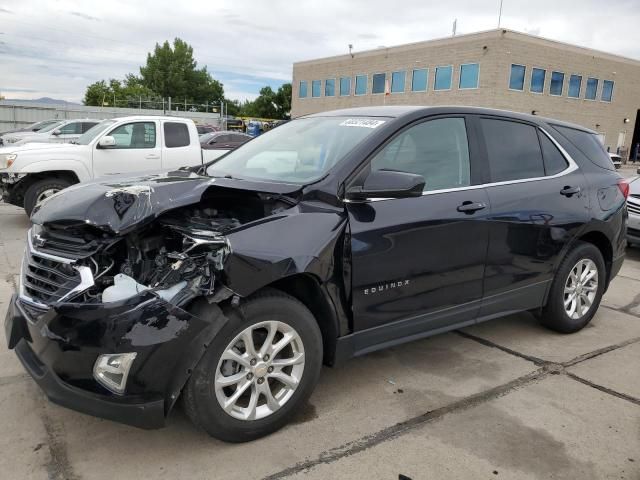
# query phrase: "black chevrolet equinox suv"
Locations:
[[332, 236]]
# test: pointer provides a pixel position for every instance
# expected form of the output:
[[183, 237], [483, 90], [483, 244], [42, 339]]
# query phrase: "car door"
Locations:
[[418, 263], [177, 151], [136, 150], [537, 206]]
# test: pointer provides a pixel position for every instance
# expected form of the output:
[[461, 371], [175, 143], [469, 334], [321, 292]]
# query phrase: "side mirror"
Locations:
[[388, 184], [107, 142], [56, 132]]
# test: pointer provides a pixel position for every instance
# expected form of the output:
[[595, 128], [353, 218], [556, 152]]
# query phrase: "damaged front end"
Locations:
[[115, 309], [177, 258]]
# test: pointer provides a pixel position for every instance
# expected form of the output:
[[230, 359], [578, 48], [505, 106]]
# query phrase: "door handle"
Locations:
[[569, 191], [470, 207], [152, 156]]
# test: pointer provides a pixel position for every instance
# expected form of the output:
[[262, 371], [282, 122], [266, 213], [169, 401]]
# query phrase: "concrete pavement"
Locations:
[[505, 399]]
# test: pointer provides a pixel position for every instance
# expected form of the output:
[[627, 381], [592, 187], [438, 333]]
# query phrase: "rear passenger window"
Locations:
[[589, 144], [176, 135], [437, 149], [554, 161], [513, 150]]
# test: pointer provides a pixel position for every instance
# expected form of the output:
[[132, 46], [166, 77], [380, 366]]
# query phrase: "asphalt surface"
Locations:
[[504, 399]]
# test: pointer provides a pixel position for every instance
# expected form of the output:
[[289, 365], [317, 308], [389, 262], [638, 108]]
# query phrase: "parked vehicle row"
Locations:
[[31, 172], [34, 127], [329, 237], [62, 131]]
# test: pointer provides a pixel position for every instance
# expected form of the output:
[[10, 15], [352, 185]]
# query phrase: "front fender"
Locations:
[[283, 246], [42, 166]]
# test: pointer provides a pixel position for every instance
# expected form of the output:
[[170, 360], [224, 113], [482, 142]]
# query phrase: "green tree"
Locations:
[[172, 72], [283, 101]]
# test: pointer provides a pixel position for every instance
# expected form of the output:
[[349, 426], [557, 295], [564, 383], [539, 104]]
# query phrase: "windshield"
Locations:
[[301, 151], [206, 137], [93, 132], [48, 128]]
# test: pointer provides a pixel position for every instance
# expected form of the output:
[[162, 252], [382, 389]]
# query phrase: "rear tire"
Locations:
[[270, 393], [41, 189], [576, 290]]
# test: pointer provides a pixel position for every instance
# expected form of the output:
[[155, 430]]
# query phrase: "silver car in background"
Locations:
[[633, 207]]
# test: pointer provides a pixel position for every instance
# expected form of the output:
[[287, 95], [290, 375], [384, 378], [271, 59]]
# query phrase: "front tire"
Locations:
[[576, 290], [42, 189], [257, 372]]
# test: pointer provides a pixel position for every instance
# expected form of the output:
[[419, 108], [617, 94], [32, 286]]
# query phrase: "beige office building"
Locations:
[[497, 69]]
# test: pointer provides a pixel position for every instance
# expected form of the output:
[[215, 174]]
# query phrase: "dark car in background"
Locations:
[[331, 236], [204, 129], [223, 140]]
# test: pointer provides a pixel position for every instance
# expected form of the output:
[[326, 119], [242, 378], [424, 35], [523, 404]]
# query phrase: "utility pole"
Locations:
[[500, 14], [140, 105]]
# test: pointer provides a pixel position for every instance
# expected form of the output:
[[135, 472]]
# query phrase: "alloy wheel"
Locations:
[[580, 288], [46, 194], [259, 370]]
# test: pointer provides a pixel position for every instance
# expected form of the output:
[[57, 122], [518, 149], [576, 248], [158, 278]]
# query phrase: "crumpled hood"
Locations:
[[120, 204]]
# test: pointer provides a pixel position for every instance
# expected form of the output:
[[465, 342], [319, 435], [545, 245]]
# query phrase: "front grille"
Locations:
[[633, 208], [50, 278], [634, 232], [46, 280], [77, 246]]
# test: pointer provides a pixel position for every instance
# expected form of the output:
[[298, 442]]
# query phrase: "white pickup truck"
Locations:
[[32, 172]]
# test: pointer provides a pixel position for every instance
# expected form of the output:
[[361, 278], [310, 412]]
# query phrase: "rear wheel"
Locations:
[[41, 190], [260, 368], [576, 291]]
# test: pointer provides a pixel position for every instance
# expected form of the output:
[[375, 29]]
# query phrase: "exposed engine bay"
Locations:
[[178, 256]]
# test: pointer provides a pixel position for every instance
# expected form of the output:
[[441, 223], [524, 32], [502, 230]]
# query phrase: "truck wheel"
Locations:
[[42, 189], [257, 372], [576, 290]]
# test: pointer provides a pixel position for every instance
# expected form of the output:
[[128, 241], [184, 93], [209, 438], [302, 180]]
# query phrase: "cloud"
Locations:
[[56, 51], [84, 15]]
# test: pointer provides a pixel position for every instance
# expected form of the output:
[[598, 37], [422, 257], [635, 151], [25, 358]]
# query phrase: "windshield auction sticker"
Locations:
[[362, 122]]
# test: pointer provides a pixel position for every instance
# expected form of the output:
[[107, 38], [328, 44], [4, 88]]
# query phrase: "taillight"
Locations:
[[623, 185]]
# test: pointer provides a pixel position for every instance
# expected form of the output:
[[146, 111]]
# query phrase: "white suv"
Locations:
[[65, 131]]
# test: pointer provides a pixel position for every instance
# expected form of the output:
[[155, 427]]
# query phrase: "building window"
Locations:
[[516, 80], [397, 81], [575, 82], [377, 85], [537, 80], [345, 86], [361, 85], [469, 73], [330, 87], [419, 80], [557, 83], [443, 78], [302, 92], [607, 90], [315, 88], [592, 88]]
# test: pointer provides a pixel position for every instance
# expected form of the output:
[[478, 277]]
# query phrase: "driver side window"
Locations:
[[436, 149], [135, 135], [70, 128]]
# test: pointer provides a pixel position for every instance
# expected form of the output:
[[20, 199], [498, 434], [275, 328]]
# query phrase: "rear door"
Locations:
[[177, 149], [537, 205], [418, 263], [137, 149]]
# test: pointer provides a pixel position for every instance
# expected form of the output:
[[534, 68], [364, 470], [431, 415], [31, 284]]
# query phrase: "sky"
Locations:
[[55, 48]]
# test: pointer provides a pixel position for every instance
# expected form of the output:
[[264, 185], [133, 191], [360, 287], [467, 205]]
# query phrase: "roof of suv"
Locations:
[[397, 111]]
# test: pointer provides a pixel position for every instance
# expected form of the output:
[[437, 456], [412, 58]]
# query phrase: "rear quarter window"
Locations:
[[588, 144], [176, 135]]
